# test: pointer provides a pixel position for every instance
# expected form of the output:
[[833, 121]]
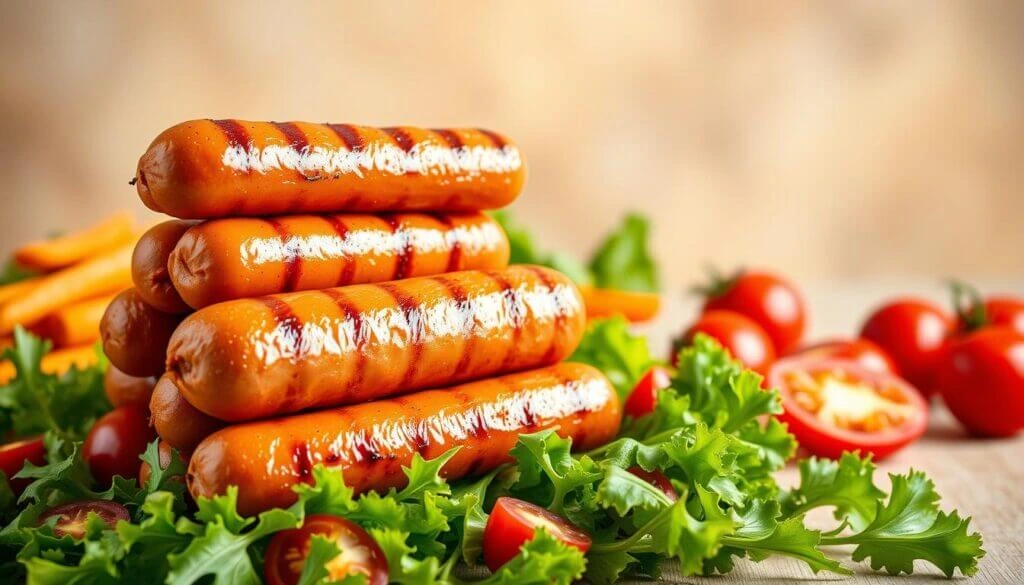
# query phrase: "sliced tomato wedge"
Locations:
[[832, 406], [657, 479], [644, 396], [514, 522], [360, 553], [13, 457], [71, 518]]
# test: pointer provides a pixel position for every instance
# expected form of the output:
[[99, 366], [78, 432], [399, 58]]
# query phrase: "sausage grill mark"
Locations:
[[455, 254], [494, 137], [402, 138], [293, 260], [517, 333], [403, 262], [549, 355], [411, 313], [466, 312], [236, 134], [349, 271], [348, 134], [289, 325], [449, 136], [296, 138], [300, 460], [351, 312]]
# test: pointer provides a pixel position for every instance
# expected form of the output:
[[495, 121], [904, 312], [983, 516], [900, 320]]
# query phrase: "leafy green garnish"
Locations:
[[610, 347]]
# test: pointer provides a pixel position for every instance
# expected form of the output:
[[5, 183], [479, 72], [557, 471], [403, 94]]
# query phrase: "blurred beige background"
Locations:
[[835, 141]]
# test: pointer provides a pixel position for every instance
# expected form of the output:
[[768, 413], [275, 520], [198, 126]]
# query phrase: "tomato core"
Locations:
[[841, 399]]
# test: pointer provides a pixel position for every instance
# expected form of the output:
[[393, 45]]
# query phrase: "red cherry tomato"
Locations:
[[71, 518], [769, 300], [514, 522], [1005, 311], [913, 332], [658, 480], [864, 352], [981, 379], [115, 443], [745, 339], [644, 396], [13, 457], [360, 553], [833, 406]]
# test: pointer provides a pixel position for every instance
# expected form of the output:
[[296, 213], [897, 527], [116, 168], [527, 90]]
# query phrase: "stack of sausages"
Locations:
[[332, 294]]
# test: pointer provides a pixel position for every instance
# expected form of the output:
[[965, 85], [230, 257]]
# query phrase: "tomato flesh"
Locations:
[[115, 443], [513, 523], [832, 406], [981, 380], [644, 396], [13, 457], [72, 518], [360, 553]]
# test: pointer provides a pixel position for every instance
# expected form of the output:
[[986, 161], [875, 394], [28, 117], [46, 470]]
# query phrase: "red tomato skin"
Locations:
[[115, 443], [745, 339], [13, 457], [110, 512], [513, 523], [826, 441], [644, 396], [657, 479], [866, 353], [770, 301], [1005, 311], [275, 563], [981, 380], [913, 332]]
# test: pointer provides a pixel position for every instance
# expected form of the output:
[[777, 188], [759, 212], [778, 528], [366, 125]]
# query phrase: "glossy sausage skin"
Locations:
[[238, 258], [371, 442], [135, 335], [125, 390], [254, 358], [149, 266], [204, 169], [177, 422]]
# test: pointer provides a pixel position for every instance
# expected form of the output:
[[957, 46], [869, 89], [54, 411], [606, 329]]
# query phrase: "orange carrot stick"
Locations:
[[103, 274], [59, 252], [56, 362], [634, 306], [9, 292], [75, 324]]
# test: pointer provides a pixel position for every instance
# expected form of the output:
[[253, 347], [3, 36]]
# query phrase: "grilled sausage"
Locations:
[[149, 266], [177, 422], [371, 442], [239, 258], [254, 358], [135, 335], [125, 390], [204, 169]]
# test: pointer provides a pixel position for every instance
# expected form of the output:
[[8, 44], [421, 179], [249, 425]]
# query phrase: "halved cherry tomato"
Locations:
[[657, 479], [864, 352], [981, 379], [833, 406], [745, 339], [768, 299], [644, 396], [514, 522], [360, 553], [13, 457], [115, 443], [913, 332], [71, 518]]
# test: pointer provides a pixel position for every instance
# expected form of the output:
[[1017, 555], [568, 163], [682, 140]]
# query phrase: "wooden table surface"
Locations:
[[983, 479]]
